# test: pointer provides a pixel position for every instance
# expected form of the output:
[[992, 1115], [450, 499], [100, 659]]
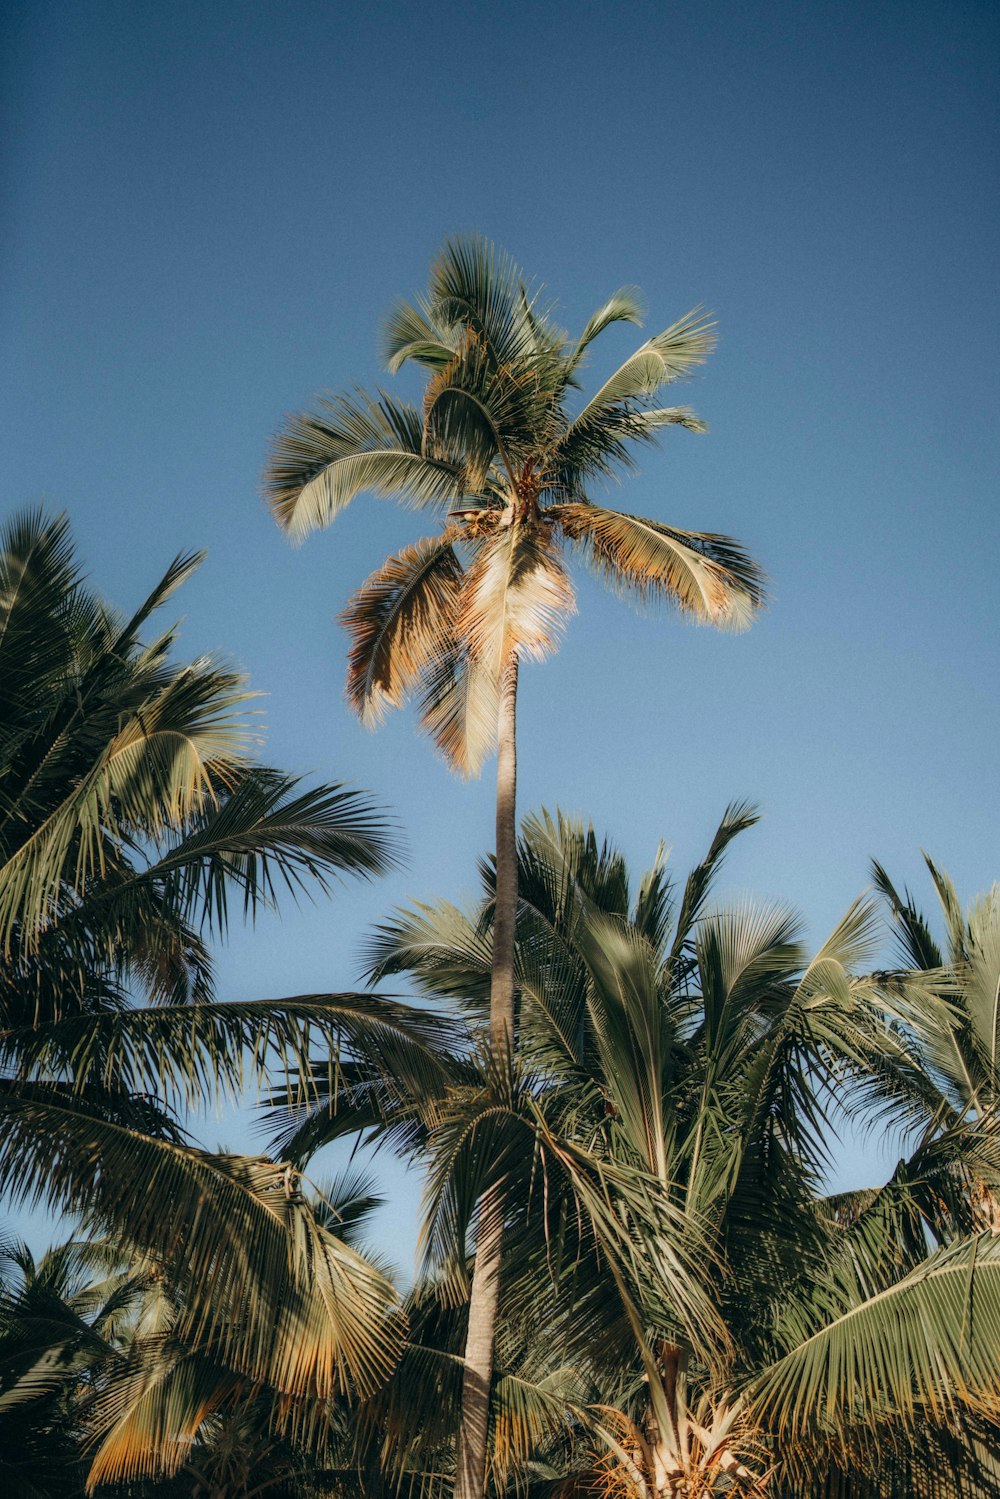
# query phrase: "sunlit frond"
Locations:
[[149, 1415], [711, 578], [919, 1350], [516, 596], [623, 306], [668, 356], [459, 709]]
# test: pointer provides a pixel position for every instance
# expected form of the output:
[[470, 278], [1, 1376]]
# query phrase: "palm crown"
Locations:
[[498, 447]]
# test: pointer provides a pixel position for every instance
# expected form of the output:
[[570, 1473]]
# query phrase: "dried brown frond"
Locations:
[[709, 577], [516, 595], [399, 619]]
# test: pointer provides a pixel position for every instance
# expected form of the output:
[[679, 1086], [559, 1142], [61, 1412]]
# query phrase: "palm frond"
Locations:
[[399, 620], [736, 819], [668, 356], [516, 596], [459, 709], [186, 1054], [323, 458], [710, 578], [412, 331], [918, 1351], [148, 1416], [175, 753], [475, 285], [623, 306], [916, 945], [38, 574], [276, 1296]]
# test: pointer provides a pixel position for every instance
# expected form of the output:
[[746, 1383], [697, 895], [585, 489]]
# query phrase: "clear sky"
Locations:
[[207, 210]]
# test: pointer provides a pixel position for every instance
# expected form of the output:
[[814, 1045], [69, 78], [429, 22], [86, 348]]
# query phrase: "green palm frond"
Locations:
[[474, 414], [951, 908], [919, 1350], [633, 1035], [175, 753], [398, 621], [623, 306], [475, 285], [269, 834], [917, 947], [498, 1133], [442, 947], [188, 1053], [981, 978], [668, 356], [736, 819], [278, 1297], [322, 459], [710, 578], [602, 447], [38, 572], [412, 331]]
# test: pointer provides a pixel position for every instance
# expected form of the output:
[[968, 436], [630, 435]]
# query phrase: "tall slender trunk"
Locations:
[[484, 1299], [505, 915]]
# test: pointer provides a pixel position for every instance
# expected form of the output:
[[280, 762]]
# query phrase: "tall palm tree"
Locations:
[[500, 446], [131, 814]]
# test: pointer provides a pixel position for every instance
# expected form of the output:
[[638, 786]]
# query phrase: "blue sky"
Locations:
[[208, 210]]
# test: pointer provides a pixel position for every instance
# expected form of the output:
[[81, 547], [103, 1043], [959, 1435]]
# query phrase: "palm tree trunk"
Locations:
[[484, 1298], [505, 915]]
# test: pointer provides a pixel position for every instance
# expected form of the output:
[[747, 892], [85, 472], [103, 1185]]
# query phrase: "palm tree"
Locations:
[[684, 1068], [58, 1316], [161, 1407], [959, 1037], [499, 447], [131, 813]]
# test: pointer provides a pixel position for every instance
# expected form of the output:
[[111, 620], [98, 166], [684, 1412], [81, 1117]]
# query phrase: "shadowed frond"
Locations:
[[322, 459], [269, 834], [602, 447], [917, 947], [400, 619], [193, 1052]]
